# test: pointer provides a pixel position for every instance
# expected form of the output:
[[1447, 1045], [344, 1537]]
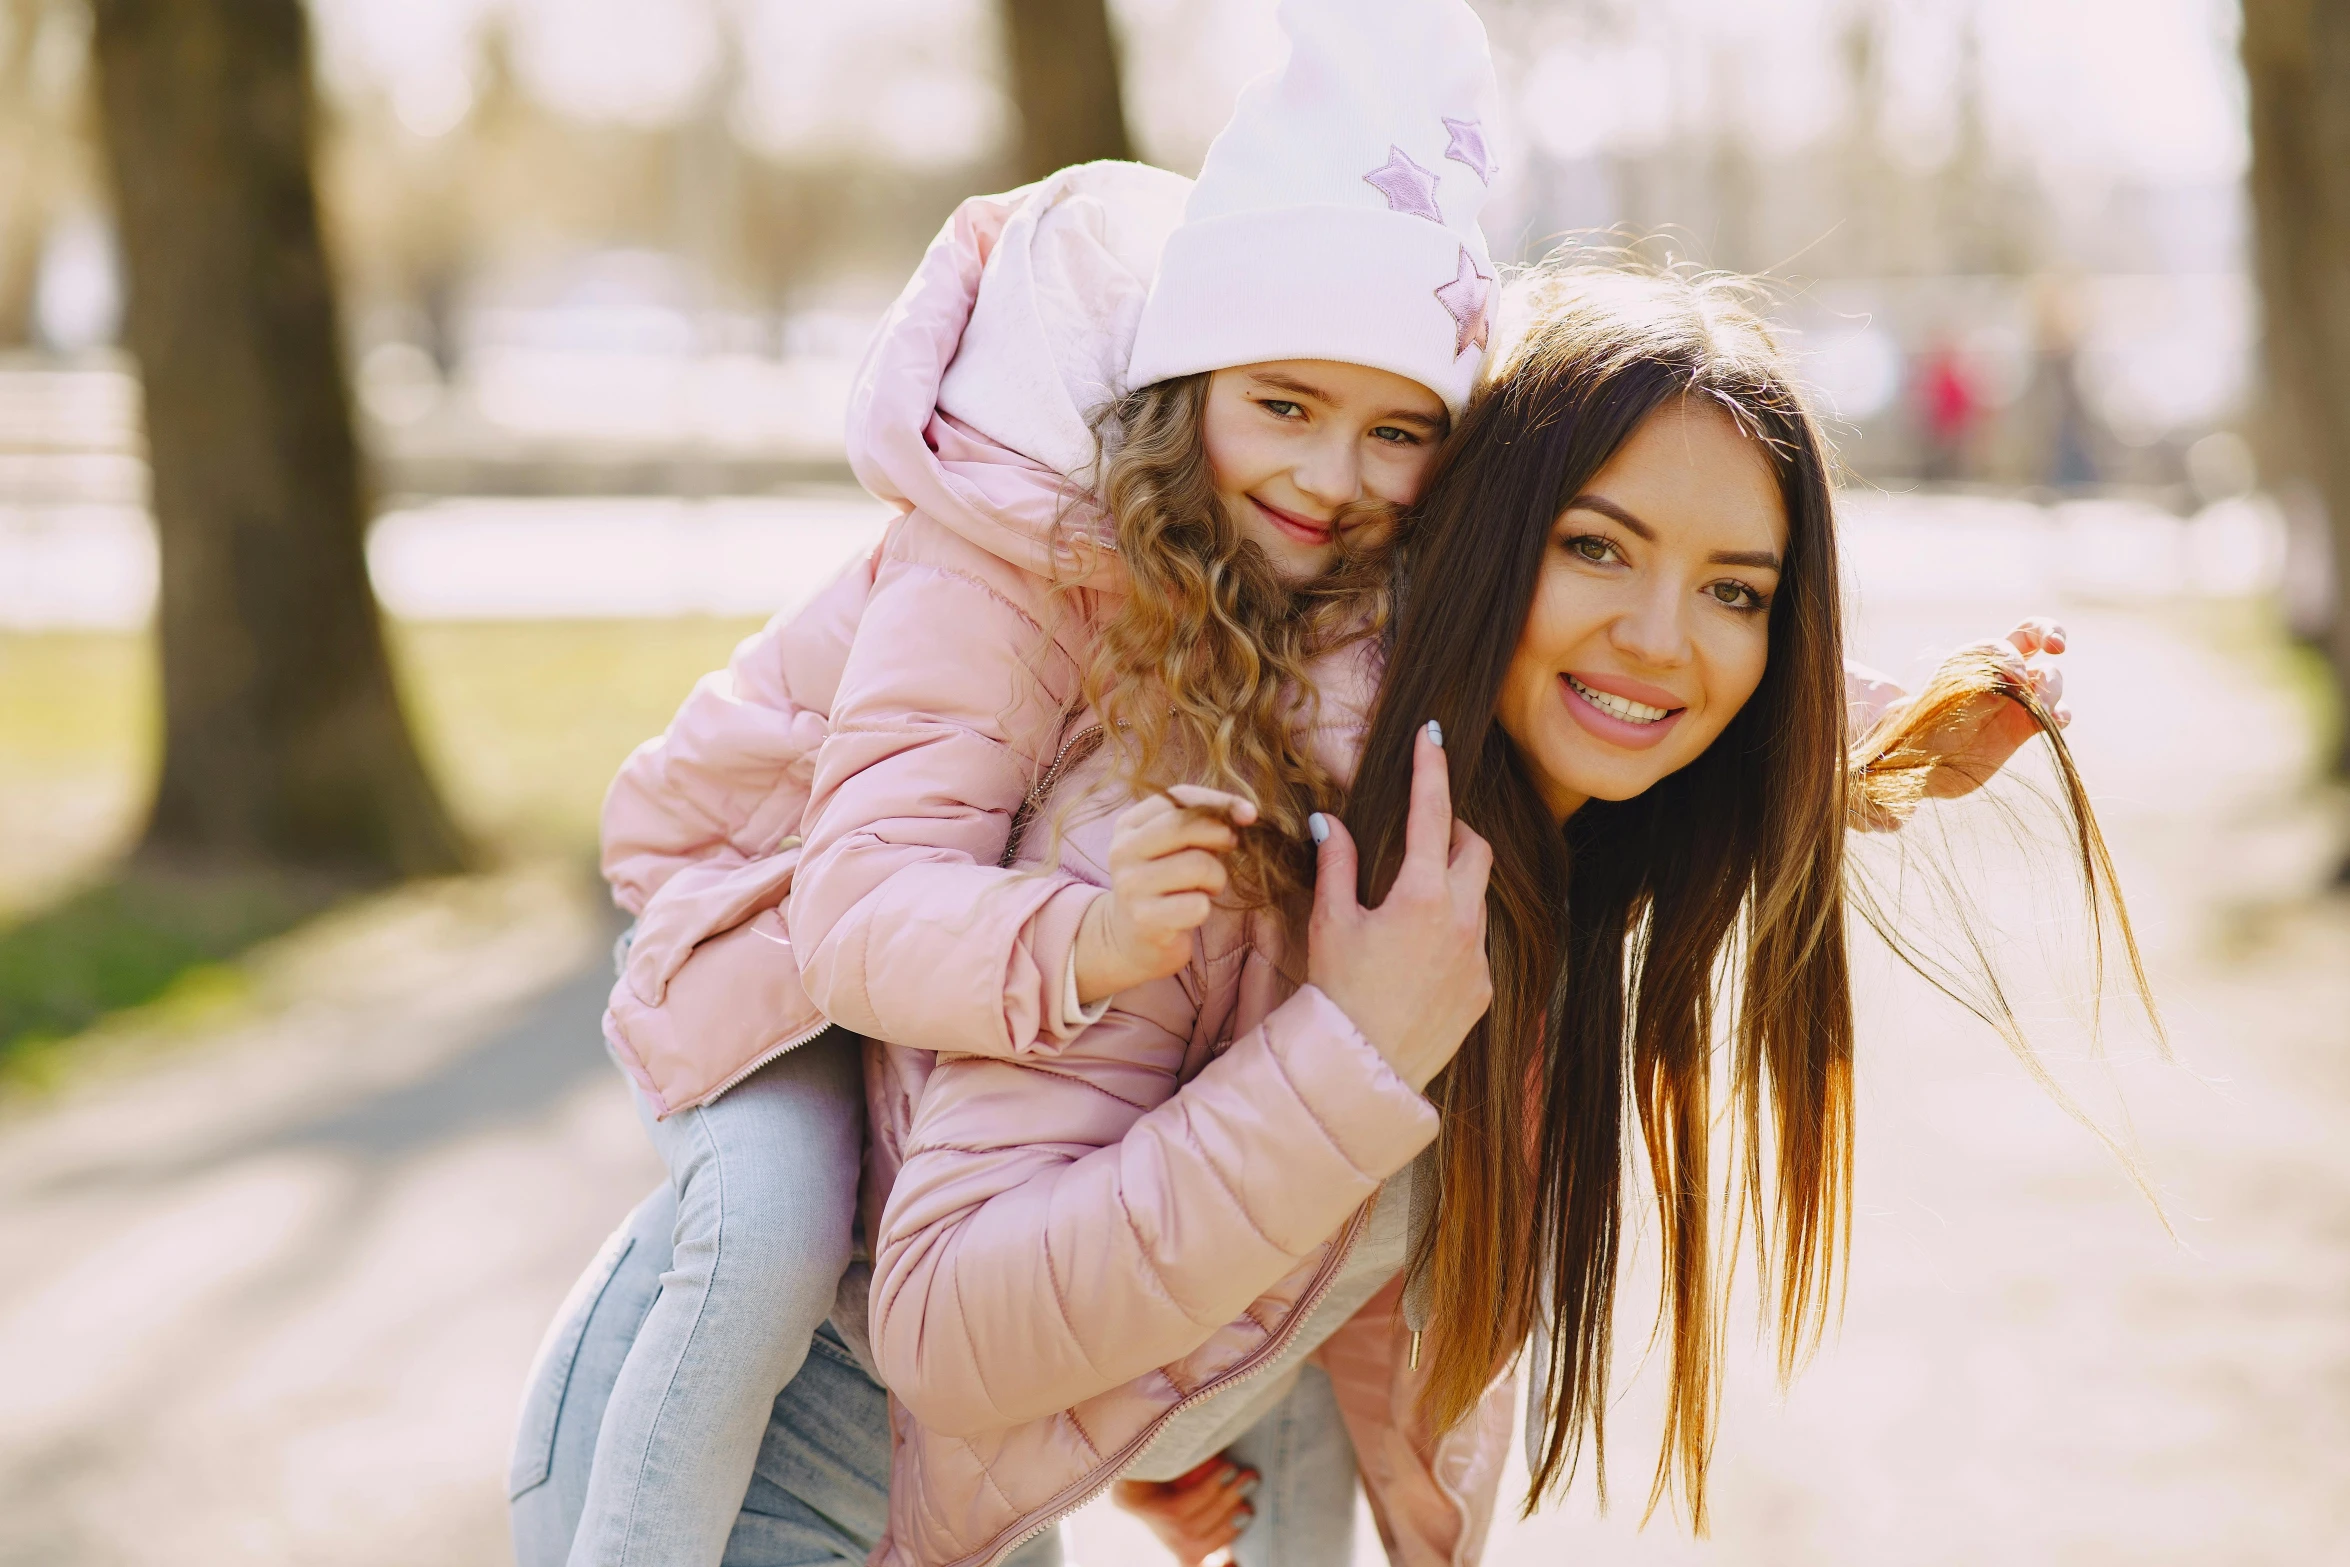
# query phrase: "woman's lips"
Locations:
[[1303, 529], [1604, 725]]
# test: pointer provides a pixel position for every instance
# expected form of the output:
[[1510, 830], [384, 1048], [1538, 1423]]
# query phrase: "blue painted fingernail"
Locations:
[[1318, 827], [1435, 734]]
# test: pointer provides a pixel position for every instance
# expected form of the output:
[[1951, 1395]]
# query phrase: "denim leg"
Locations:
[[1305, 1496], [819, 1496], [766, 1184], [571, 1381]]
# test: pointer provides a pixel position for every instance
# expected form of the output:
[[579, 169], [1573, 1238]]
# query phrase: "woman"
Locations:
[[1098, 1264]]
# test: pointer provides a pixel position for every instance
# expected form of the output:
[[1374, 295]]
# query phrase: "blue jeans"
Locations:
[[1305, 1496], [761, 1213], [818, 1490]]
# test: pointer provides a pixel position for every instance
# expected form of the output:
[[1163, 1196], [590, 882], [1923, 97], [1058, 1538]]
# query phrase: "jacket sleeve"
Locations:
[[949, 710], [1050, 1238], [727, 779]]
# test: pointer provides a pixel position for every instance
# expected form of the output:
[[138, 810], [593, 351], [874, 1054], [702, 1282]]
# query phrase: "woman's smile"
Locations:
[[1611, 710]]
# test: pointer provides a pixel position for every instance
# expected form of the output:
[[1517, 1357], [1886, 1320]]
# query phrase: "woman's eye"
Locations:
[[1592, 547], [1735, 594]]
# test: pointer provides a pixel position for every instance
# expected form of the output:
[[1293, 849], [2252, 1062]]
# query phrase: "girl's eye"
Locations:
[[1280, 407], [1735, 594], [1593, 547], [1394, 437]]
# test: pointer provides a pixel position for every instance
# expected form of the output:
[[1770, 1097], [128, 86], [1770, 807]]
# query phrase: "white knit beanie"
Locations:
[[1336, 216]]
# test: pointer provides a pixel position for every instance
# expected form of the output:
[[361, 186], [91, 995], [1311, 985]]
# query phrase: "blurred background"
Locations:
[[403, 401]]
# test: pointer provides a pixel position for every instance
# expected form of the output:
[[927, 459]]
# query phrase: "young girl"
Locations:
[[1247, 483]]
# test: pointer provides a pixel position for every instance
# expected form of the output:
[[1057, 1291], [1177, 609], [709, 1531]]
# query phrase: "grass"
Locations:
[[523, 725], [140, 940], [2254, 630]]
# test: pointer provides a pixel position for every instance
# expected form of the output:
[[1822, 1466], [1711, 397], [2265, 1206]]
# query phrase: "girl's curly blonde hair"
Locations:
[[1200, 673]]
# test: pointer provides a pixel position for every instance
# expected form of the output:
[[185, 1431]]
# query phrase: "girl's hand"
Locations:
[[1979, 740], [1410, 974], [1195, 1515], [1166, 872]]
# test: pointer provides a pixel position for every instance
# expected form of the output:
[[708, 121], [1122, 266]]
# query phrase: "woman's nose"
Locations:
[[1653, 629]]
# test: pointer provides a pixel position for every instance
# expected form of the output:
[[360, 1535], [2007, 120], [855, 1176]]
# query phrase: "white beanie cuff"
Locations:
[[1319, 282]]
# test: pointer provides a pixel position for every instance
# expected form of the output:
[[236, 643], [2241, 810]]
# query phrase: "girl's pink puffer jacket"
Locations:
[[1087, 1228], [700, 828], [701, 835]]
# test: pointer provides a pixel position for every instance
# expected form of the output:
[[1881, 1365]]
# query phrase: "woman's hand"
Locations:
[[1194, 1515], [1166, 872], [1410, 974], [1980, 739]]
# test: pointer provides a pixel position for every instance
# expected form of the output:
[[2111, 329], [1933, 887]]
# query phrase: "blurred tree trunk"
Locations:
[[23, 211], [284, 742], [2297, 65], [1065, 83]]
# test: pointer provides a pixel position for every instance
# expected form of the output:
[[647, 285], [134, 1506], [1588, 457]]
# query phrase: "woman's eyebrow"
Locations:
[[1607, 508], [1767, 560]]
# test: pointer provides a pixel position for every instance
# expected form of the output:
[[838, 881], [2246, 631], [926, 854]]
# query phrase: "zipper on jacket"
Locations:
[[1086, 1491], [1044, 789], [780, 1048]]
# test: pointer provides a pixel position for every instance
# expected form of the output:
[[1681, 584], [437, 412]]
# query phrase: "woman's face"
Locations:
[[1294, 442], [1650, 623]]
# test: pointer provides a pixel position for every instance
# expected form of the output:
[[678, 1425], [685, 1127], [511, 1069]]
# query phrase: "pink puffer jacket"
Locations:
[[1086, 1228], [700, 828], [701, 835], [1084, 1239], [1223, 1185]]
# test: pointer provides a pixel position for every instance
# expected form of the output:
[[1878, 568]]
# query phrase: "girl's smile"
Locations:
[[1307, 532]]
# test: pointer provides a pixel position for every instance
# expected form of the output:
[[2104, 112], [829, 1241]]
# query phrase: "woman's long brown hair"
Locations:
[[1615, 942]]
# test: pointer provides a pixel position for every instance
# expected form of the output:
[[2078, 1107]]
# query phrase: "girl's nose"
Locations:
[[1330, 474]]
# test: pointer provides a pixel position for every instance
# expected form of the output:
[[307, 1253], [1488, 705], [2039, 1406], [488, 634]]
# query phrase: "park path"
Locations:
[[270, 1277]]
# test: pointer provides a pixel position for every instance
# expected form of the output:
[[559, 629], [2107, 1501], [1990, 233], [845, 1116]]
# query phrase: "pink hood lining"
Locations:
[[909, 453]]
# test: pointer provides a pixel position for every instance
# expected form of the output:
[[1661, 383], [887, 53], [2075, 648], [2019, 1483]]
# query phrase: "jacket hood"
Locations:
[[975, 399]]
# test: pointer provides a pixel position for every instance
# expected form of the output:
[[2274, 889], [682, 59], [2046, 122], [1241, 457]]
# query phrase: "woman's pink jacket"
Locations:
[[1077, 1229]]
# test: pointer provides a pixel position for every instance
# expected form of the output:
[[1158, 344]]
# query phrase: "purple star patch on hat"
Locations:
[[1407, 186], [1468, 147], [1465, 299]]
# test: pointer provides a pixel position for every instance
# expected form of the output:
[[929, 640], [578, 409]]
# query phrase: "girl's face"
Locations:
[[1295, 442], [1650, 624]]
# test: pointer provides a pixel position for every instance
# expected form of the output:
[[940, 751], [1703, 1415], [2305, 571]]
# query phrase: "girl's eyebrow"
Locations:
[[1767, 560], [1286, 383]]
